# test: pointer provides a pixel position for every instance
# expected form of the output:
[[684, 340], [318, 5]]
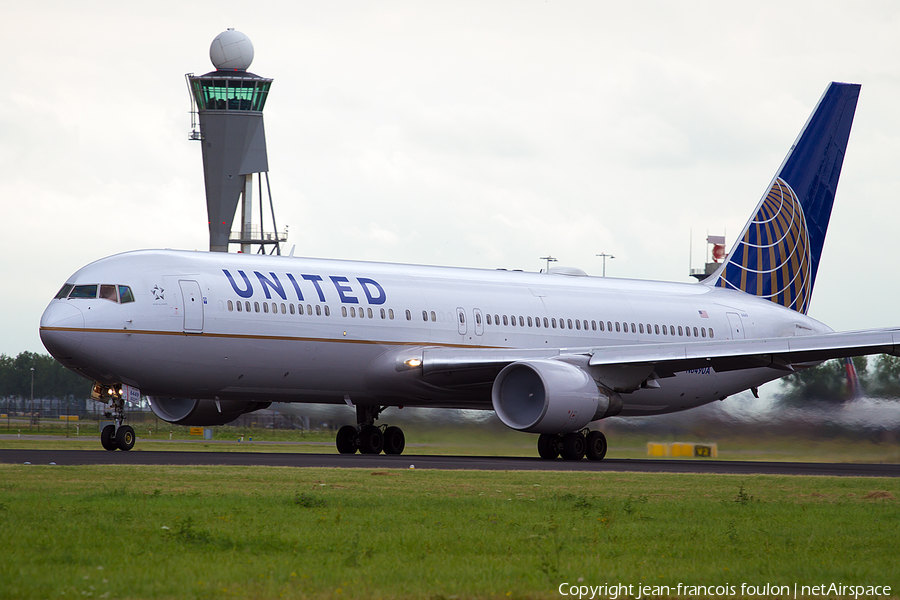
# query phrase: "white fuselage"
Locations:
[[308, 330]]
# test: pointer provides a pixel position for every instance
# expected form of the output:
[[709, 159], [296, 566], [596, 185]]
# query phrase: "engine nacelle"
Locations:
[[550, 396], [190, 411]]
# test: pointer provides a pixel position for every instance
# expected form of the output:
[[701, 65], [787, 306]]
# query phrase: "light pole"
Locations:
[[31, 421], [549, 260], [605, 256]]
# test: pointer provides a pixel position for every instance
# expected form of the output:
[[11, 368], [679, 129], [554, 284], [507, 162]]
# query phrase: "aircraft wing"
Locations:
[[626, 367]]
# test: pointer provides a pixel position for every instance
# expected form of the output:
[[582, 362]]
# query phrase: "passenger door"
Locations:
[[192, 298]]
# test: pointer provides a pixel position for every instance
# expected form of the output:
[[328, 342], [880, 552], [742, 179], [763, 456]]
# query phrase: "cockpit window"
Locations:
[[108, 292], [62, 293], [84, 291]]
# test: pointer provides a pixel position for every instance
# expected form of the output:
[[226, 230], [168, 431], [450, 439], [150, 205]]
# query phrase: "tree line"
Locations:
[[51, 379], [879, 377]]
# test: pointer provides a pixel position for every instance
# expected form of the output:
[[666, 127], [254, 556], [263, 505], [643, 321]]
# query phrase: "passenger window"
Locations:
[[656, 329], [505, 320], [353, 311], [537, 322], [601, 326], [488, 317], [230, 306], [382, 314], [433, 317], [711, 333], [292, 308], [530, 323], [687, 331], [318, 310], [577, 324], [299, 309], [256, 306], [570, 324], [370, 312], [545, 323], [284, 309], [63, 292], [462, 318], [695, 332], [247, 306], [309, 309], [521, 321], [609, 326], [553, 323], [391, 314], [679, 330], [665, 330], [125, 294], [641, 327], [425, 315], [327, 311], [593, 325], [512, 320], [343, 311], [703, 332], [617, 327], [239, 306], [408, 315], [274, 309], [84, 291], [671, 330], [633, 330], [265, 307], [478, 318]]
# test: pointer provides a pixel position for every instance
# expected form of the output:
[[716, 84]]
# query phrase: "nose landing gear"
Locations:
[[118, 436]]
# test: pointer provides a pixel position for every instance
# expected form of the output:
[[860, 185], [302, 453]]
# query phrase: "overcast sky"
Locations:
[[478, 134]]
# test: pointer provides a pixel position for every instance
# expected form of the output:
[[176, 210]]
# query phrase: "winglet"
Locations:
[[777, 255]]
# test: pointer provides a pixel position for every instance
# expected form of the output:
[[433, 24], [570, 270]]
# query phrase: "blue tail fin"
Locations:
[[777, 255]]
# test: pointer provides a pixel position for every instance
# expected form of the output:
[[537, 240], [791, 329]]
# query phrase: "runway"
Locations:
[[476, 463]]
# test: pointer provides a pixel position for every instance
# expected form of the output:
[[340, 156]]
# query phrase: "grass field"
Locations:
[[221, 532]]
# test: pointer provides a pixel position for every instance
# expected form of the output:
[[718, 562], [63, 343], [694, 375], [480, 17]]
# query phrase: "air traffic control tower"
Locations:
[[229, 102]]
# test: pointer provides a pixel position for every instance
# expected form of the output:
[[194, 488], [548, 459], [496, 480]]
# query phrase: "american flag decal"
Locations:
[[703, 314]]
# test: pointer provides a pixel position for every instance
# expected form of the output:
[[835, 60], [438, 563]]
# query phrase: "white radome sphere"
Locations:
[[231, 50]]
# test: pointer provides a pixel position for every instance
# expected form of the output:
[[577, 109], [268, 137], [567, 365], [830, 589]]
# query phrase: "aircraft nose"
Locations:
[[62, 328]]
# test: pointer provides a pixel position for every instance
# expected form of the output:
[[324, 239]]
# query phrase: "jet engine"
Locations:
[[550, 396], [190, 411]]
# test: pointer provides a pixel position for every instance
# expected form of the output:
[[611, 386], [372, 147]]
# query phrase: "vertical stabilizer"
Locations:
[[777, 255]]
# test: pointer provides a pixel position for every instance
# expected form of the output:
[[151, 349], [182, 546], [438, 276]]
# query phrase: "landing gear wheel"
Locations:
[[548, 446], [394, 440], [371, 440], [573, 446], [596, 445], [108, 437], [125, 438], [346, 439]]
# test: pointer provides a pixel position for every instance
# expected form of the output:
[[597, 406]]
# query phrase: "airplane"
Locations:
[[207, 337]]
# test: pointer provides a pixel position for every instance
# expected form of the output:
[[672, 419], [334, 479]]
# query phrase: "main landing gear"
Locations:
[[573, 446], [118, 436], [367, 437]]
